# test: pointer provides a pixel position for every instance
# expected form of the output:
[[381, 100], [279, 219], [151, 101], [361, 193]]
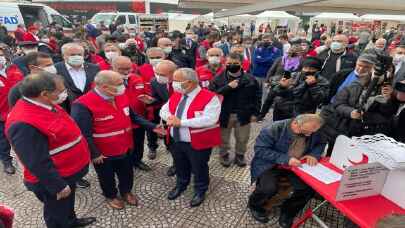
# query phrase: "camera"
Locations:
[[286, 74]]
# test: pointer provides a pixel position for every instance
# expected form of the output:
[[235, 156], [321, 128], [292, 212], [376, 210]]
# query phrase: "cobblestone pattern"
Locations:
[[225, 205]]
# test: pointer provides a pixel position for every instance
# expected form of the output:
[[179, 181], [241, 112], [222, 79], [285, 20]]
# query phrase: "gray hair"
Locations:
[[154, 49], [67, 46], [189, 74], [304, 118]]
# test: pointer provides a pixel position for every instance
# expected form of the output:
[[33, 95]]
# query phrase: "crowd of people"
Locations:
[[99, 95]]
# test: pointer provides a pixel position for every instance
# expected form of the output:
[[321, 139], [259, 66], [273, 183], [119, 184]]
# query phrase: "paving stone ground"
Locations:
[[225, 205]]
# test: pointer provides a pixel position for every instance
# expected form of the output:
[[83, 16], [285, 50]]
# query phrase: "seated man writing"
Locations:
[[286, 142]]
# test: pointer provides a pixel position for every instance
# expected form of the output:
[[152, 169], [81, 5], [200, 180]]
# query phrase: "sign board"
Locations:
[[362, 181], [372, 164]]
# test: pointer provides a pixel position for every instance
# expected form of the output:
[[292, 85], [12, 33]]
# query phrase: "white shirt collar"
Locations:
[[69, 67], [194, 92], [50, 108]]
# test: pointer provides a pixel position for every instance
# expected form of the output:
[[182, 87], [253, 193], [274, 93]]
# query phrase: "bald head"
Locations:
[[166, 68], [380, 43], [106, 77], [164, 43], [215, 52], [122, 65], [341, 38]]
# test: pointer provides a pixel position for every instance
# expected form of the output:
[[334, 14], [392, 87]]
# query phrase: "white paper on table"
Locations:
[[321, 173]]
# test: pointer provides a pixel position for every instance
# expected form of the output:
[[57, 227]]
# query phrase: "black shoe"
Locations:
[[197, 200], [142, 166], [80, 222], [171, 171], [240, 160], [174, 193], [285, 221], [260, 216], [225, 160], [82, 183], [152, 154], [8, 168]]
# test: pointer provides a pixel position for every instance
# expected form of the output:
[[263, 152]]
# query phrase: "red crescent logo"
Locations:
[[364, 160]]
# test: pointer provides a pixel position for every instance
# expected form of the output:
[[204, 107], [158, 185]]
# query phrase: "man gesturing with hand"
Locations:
[[288, 142]]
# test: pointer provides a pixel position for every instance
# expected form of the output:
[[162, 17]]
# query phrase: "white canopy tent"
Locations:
[[380, 17], [336, 16], [277, 18], [179, 21]]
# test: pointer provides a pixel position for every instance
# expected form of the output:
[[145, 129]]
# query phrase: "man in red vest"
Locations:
[[192, 116], [134, 88], [105, 117], [53, 152], [215, 66]]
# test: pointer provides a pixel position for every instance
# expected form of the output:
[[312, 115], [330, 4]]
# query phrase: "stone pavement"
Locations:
[[225, 205]]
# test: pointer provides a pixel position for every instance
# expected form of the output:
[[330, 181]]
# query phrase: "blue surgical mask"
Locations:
[[336, 46]]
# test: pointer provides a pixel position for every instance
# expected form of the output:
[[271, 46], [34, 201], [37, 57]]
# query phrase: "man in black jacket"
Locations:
[[78, 75], [241, 105], [399, 119], [337, 57], [300, 93]]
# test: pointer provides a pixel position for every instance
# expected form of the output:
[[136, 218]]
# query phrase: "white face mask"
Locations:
[[398, 58], [177, 86], [61, 97], [189, 36], [50, 69], [161, 79], [45, 40], [167, 50], [3, 60], [122, 46], [120, 90], [336, 47], [76, 60], [214, 60], [154, 62], [111, 55]]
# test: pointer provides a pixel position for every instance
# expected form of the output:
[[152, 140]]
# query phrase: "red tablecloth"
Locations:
[[365, 211]]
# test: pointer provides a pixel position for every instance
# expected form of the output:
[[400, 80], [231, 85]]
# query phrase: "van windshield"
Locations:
[[107, 18]]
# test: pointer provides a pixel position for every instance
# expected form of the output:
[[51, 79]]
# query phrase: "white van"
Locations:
[[15, 13], [128, 19]]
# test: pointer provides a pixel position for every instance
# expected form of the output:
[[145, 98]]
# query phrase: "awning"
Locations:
[[237, 7], [337, 16]]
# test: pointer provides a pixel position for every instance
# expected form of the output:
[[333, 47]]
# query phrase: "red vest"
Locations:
[[205, 75], [67, 147], [136, 87], [201, 138], [4, 89], [112, 127]]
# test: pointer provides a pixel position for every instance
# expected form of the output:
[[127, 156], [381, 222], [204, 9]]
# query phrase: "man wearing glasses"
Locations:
[[285, 142]]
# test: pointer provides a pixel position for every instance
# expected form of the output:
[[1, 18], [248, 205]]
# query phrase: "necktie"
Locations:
[[179, 113]]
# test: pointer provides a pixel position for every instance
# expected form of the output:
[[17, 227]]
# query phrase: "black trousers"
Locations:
[[152, 136], [4, 145], [122, 167], [187, 161], [267, 187], [57, 213], [139, 139]]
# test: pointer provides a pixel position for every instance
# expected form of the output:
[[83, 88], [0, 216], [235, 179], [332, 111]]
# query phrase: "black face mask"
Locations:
[[266, 44], [233, 68]]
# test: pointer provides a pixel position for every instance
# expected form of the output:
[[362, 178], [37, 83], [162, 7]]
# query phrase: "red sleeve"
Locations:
[[14, 75]]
